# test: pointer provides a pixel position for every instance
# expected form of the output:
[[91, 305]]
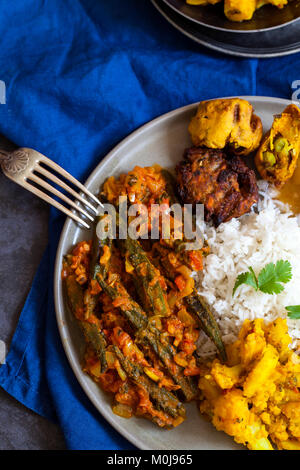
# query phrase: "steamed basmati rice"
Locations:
[[266, 235]]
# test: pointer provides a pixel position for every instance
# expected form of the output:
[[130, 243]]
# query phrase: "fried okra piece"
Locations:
[[224, 184], [226, 123], [276, 158]]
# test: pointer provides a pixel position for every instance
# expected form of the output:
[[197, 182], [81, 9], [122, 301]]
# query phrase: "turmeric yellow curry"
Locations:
[[255, 397]]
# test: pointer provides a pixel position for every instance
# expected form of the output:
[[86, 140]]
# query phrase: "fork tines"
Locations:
[[39, 169]]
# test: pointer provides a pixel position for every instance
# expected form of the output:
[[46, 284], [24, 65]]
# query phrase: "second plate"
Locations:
[[266, 18], [277, 42]]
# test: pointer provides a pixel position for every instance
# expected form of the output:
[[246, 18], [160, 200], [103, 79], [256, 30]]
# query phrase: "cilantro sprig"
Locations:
[[293, 312], [269, 280]]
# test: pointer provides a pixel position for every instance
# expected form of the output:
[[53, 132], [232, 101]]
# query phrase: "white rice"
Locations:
[[253, 240]]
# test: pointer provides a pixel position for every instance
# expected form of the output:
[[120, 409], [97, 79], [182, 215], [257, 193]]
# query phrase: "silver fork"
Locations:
[[24, 165]]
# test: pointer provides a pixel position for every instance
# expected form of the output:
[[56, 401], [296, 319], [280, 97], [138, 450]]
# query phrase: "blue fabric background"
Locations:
[[80, 76]]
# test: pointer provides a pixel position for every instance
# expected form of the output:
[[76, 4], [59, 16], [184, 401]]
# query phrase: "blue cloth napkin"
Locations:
[[80, 75]]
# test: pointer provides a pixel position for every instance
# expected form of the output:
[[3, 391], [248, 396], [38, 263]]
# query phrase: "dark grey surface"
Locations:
[[23, 238]]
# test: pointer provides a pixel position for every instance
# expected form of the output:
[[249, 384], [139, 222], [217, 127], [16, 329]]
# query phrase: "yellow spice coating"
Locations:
[[224, 123], [255, 396], [283, 143], [239, 10]]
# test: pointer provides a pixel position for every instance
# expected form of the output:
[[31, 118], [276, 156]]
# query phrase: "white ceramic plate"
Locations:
[[161, 141]]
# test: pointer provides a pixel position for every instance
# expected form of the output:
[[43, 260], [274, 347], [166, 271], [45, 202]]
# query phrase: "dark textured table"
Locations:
[[23, 238]]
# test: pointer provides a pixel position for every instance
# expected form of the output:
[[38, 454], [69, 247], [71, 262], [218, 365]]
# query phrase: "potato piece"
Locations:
[[209, 388], [253, 343], [239, 10], [231, 413], [292, 411], [278, 3], [95, 369], [226, 377], [277, 335], [276, 158], [226, 123], [261, 371], [291, 444]]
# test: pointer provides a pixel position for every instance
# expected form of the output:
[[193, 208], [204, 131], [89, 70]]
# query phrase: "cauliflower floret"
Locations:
[[232, 415]]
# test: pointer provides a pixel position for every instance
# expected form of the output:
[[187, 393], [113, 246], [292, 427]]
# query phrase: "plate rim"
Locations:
[[59, 301], [219, 48], [235, 31]]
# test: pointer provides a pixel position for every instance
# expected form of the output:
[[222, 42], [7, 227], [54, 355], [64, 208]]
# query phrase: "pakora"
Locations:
[[226, 124], [276, 158], [224, 184]]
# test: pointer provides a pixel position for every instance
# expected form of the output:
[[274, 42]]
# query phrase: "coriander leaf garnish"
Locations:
[[246, 278], [284, 271], [270, 278], [293, 312]]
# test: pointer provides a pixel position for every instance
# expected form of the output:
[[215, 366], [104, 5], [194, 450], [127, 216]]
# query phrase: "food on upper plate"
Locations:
[[277, 156], [137, 311], [240, 10], [226, 124], [224, 184], [255, 397]]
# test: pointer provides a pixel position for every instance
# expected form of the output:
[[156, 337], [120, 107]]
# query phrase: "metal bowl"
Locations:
[[266, 18]]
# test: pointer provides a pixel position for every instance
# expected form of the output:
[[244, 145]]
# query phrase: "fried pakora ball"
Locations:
[[276, 158], [226, 123], [224, 184], [239, 10]]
